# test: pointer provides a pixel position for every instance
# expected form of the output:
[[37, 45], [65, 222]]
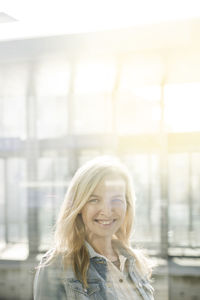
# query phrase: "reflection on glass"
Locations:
[[13, 79], [16, 197], [13, 88], [178, 199], [51, 187], [86, 155], [94, 77], [145, 171], [52, 79], [195, 192], [182, 107], [52, 117], [13, 117], [2, 203], [52, 86], [141, 71], [92, 114], [139, 111]]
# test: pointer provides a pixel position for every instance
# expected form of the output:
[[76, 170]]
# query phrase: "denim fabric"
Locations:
[[53, 283]]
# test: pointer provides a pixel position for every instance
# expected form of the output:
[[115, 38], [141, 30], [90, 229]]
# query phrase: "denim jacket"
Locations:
[[52, 282]]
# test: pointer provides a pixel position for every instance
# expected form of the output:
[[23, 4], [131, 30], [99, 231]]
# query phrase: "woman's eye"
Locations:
[[118, 201], [93, 201]]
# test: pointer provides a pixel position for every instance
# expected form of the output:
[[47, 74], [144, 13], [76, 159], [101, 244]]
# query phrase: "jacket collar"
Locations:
[[118, 246]]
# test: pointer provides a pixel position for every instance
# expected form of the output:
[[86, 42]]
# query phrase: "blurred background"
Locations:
[[85, 78]]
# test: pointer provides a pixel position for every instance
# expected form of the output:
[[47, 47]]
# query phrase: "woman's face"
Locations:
[[105, 210]]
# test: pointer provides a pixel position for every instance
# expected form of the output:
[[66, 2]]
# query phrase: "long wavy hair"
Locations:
[[70, 234]]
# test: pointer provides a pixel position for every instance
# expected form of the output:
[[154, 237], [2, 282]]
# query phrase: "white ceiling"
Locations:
[[54, 17]]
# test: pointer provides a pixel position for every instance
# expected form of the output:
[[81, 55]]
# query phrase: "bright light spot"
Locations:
[[37, 18], [53, 79], [182, 106], [92, 114], [94, 77], [139, 111], [149, 93], [141, 70]]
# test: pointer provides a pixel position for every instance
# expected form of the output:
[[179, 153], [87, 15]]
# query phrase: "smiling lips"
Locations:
[[105, 222]]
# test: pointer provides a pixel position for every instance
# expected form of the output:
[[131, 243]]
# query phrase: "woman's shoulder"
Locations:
[[142, 262], [57, 262], [50, 259]]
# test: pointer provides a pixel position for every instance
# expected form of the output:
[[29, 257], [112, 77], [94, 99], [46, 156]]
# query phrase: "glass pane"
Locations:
[[145, 172], [12, 115], [52, 79], [92, 114], [52, 185], [178, 199], [155, 194], [182, 106], [195, 185], [13, 89], [140, 111], [52, 85], [94, 77], [141, 70], [86, 155], [13, 80], [52, 117], [16, 200], [2, 203]]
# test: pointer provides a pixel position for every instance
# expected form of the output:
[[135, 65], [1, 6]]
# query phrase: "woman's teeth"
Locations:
[[104, 222]]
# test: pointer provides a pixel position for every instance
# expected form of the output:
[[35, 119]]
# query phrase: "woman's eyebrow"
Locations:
[[95, 196], [118, 195]]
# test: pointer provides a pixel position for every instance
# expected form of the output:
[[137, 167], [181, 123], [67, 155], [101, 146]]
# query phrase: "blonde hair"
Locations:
[[69, 229]]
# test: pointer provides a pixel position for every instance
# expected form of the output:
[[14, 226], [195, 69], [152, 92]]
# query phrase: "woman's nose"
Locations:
[[106, 208]]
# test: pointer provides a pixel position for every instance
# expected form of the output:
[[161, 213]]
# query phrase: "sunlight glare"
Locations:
[[182, 107], [94, 77], [36, 18]]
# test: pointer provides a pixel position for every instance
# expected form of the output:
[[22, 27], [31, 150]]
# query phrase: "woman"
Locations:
[[92, 257]]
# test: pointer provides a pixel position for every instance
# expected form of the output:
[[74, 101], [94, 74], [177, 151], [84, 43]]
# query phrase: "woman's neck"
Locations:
[[104, 247]]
